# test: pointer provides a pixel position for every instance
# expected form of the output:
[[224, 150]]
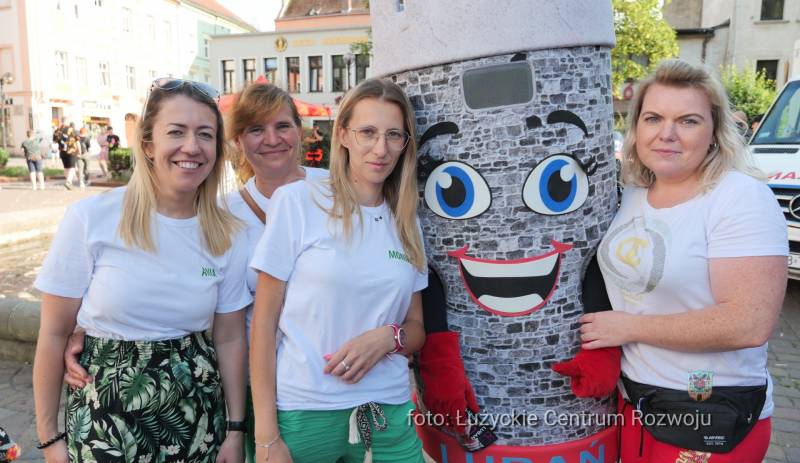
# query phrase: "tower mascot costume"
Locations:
[[514, 117]]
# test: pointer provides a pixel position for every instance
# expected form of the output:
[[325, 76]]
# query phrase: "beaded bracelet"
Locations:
[[58, 437]]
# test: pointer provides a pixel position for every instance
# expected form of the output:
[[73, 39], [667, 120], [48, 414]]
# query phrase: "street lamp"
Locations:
[[5, 79], [348, 60]]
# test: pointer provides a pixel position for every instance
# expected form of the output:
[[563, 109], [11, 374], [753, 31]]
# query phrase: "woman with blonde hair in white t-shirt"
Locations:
[[144, 270], [695, 267], [337, 305]]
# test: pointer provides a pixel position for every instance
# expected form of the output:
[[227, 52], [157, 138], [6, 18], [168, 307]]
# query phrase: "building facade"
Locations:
[[759, 34], [91, 62], [309, 53]]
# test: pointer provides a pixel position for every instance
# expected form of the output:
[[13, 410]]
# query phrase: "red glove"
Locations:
[[446, 389], [594, 372]]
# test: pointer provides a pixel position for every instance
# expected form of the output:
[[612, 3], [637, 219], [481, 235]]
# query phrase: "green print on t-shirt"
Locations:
[[208, 272], [399, 256]]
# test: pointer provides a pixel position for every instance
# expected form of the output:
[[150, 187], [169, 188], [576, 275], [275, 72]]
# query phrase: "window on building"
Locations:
[[271, 70], [315, 75], [228, 76], [249, 67], [62, 72], [769, 67], [206, 45], [77, 14], [81, 71], [98, 3], [771, 9], [339, 73], [105, 74], [127, 19], [293, 74], [362, 65], [130, 77]]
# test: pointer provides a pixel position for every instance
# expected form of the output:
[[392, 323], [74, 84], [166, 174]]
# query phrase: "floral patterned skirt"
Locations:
[[151, 401]]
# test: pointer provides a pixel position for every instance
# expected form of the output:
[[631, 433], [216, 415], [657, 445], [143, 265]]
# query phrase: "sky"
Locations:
[[259, 13]]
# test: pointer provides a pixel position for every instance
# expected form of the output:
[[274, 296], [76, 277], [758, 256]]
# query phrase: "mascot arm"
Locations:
[[594, 373], [446, 389]]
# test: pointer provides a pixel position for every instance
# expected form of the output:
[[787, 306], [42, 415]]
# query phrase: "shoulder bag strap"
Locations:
[[253, 206]]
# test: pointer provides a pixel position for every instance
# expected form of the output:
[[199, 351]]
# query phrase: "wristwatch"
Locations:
[[399, 338], [237, 426]]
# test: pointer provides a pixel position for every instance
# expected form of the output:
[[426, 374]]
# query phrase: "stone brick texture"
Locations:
[[508, 358]]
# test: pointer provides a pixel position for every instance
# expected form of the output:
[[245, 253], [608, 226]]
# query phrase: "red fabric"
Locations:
[[594, 372], [751, 450], [446, 389]]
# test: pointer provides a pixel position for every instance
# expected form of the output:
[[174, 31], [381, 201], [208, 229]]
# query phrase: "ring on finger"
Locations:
[[345, 365]]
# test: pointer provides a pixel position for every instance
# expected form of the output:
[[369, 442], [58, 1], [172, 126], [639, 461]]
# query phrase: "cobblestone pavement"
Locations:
[[20, 262]]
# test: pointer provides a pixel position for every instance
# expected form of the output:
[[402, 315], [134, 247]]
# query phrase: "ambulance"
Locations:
[[776, 150]]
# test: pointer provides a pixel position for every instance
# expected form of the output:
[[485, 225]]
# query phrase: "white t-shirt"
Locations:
[[131, 294], [334, 292], [254, 227], [655, 261]]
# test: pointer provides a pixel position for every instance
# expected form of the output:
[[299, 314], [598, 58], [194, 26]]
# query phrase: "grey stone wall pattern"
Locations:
[[508, 359]]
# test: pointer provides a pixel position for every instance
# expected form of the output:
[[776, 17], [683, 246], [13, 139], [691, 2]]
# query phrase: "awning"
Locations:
[[305, 109]]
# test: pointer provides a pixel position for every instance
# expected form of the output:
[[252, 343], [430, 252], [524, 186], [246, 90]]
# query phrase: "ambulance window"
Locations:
[[503, 85]]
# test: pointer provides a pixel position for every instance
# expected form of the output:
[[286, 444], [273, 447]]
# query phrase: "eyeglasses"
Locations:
[[396, 139], [172, 83]]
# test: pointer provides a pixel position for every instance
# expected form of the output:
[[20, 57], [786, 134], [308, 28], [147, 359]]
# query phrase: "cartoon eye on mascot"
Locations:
[[514, 110]]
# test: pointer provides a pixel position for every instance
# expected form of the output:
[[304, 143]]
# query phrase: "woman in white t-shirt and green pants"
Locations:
[[337, 303]]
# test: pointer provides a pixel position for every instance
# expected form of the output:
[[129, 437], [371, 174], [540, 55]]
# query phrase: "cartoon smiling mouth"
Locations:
[[511, 287]]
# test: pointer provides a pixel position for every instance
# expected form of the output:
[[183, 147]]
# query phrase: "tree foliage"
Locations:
[[644, 39], [748, 91]]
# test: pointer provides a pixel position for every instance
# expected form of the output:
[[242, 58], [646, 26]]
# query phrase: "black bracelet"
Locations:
[[237, 426], [44, 445]]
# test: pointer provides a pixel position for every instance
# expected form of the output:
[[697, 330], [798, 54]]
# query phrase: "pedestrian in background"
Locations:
[[32, 149], [102, 156], [144, 270], [83, 158]]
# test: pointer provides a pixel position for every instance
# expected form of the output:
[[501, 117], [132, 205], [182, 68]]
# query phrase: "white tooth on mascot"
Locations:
[[513, 108]]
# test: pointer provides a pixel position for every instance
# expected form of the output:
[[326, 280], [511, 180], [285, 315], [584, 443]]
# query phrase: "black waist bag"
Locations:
[[715, 425]]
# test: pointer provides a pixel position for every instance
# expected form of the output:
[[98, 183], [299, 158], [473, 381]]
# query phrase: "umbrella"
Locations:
[[305, 109]]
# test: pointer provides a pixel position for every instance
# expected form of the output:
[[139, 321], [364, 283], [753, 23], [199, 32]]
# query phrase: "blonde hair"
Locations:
[[252, 106], [728, 150], [139, 203], [399, 188]]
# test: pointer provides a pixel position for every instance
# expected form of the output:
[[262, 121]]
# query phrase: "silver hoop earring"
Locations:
[[712, 147]]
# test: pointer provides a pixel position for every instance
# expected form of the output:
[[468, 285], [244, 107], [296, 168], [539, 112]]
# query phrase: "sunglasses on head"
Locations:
[[172, 83]]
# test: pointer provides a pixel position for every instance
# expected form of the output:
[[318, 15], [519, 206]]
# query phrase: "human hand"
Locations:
[[56, 453], [74, 373], [357, 356], [276, 453], [606, 329], [231, 449]]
